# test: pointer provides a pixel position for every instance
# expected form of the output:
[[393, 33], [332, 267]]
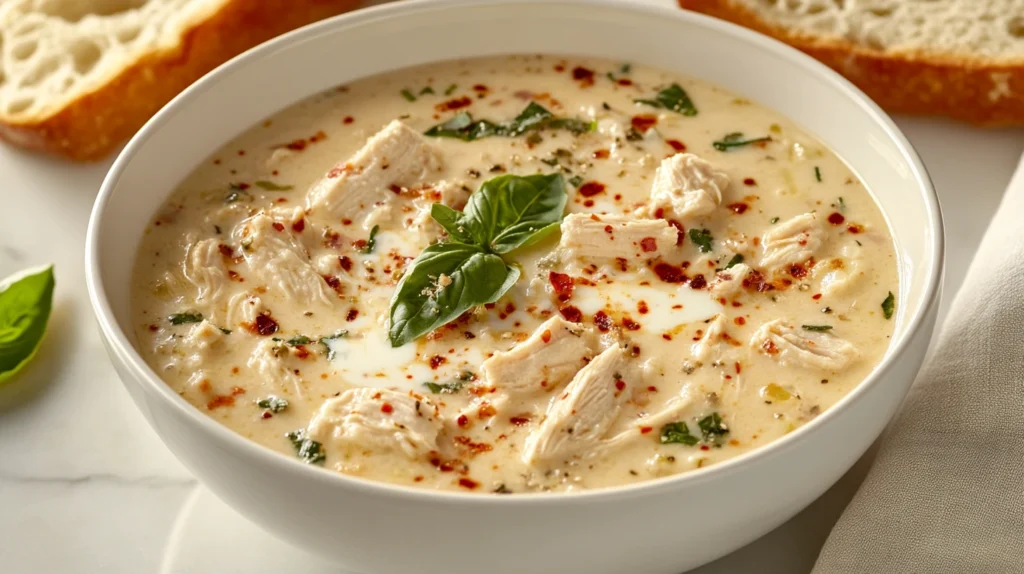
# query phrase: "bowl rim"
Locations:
[[125, 352]]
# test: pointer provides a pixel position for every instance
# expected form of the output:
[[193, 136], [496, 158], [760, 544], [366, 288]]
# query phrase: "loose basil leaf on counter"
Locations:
[[444, 281], [672, 98], [25, 303], [889, 305], [735, 139], [677, 433], [516, 211]]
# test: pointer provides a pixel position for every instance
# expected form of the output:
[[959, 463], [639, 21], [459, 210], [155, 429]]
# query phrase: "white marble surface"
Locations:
[[85, 486]]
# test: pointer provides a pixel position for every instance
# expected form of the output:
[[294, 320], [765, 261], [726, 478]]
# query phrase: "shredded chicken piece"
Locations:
[[204, 268], [686, 187], [838, 274], [378, 420], [710, 345], [395, 156], [797, 346], [446, 193], [269, 360], [605, 237], [578, 420], [277, 258], [729, 282], [793, 241]]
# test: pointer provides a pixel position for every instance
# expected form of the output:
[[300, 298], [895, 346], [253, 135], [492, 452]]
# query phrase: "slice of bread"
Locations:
[[78, 77], [958, 58]]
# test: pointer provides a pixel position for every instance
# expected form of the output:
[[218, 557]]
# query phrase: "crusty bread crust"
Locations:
[[94, 124], [989, 94]]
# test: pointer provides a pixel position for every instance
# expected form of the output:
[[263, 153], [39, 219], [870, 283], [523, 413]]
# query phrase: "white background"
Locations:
[[85, 485]]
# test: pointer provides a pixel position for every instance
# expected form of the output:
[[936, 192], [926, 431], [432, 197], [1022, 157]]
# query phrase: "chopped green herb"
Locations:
[[576, 180], [735, 139], [327, 348], [773, 220], [310, 451], [427, 90], [677, 433], [672, 98], [25, 303], [237, 193], [626, 68], [451, 89], [702, 239], [534, 139], [445, 388], [533, 117], [225, 331], [184, 318], [712, 428], [840, 204], [816, 328], [272, 403], [817, 173], [633, 135], [502, 489], [271, 186], [371, 242], [408, 95], [299, 340], [736, 260], [612, 77], [605, 106], [889, 305]]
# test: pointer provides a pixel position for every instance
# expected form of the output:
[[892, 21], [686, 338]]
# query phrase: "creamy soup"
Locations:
[[517, 275]]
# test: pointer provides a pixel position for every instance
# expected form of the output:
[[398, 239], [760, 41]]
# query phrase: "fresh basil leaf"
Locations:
[[185, 318], [462, 126], [25, 303], [310, 451], [408, 95], [702, 239], [736, 260], [371, 242], [515, 211], [460, 228], [444, 281], [672, 98], [532, 116], [889, 305], [735, 139], [327, 348], [299, 340], [271, 186], [816, 328], [444, 388], [677, 433], [451, 89], [712, 428], [272, 403]]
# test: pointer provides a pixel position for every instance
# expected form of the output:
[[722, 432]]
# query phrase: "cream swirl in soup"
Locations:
[[515, 275]]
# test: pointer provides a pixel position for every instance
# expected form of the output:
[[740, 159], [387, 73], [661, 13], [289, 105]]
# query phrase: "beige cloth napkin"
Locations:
[[946, 492]]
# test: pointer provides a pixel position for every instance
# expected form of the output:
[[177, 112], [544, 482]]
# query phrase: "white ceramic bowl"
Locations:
[[664, 526]]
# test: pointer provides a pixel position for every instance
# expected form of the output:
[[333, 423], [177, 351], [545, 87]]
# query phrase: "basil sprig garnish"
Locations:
[[449, 278], [25, 303], [672, 98], [534, 117], [736, 139]]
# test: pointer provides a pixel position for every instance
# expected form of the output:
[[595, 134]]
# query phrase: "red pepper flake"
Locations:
[[345, 262], [755, 280], [642, 308], [680, 231], [601, 154], [333, 283], [474, 447], [645, 430], [267, 415], [299, 225], [739, 368], [836, 218], [643, 122], [705, 447], [278, 226], [630, 324], [666, 336], [588, 203], [320, 135], [469, 483], [241, 152], [603, 321], [301, 351], [571, 314], [559, 68], [649, 244], [454, 104], [359, 244], [297, 145], [816, 296], [584, 75], [797, 271], [739, 321], [750, 181], [462, 421], [620, 385], [669, 273], [348, 120], [608, 229], [590, 189], [436, 361], [624, 82], [387, 409], [346, 221], [154, 328], [480, 88], [546, 336], [769, 347], [520, 420], [486, 411], [698, 282], [352, 314], [221, 401], [264, 325], [855, 228], [226, 251], [676, 145], [563, 285], [738, 208]]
